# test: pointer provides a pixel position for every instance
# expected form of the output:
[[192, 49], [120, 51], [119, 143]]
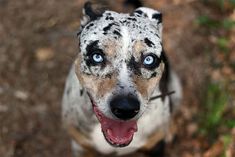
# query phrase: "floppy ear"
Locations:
[[91, 12], [153, 15]]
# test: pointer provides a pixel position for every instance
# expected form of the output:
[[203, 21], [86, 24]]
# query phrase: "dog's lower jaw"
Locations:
[[116, 144], [117, 133]]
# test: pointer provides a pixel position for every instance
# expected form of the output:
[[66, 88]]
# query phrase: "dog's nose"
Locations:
[[124, 107]]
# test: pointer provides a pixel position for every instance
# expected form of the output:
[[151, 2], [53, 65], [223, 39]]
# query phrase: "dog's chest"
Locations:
[[152, 121]]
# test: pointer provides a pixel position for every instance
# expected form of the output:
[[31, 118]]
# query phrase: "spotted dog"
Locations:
[[118, 95]]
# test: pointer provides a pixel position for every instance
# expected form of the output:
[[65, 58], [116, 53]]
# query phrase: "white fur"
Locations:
[[153, 116], [123, 76], [125, 41], [123, 71]]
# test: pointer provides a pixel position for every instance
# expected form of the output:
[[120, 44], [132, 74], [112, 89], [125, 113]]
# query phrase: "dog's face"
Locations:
[[120, 64]]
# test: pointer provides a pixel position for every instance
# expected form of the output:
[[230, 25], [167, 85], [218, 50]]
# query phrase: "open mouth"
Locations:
[[117, 133]]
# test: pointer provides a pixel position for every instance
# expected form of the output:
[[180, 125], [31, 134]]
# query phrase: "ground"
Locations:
[[38, 45]]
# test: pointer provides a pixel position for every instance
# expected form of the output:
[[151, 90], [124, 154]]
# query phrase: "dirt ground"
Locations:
[[37, 48]]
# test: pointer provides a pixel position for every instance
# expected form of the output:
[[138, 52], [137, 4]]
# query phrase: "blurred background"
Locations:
[[38, 46]]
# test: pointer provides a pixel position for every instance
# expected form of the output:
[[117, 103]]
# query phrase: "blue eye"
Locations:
[[97, 58], [148, 60]]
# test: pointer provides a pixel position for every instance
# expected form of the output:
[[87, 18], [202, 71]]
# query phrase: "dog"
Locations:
[[121, 92]]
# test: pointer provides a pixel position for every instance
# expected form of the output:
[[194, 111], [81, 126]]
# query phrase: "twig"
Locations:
[[162, 95]]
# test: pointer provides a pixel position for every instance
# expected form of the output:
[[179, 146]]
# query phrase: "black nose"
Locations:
[[124, 107]]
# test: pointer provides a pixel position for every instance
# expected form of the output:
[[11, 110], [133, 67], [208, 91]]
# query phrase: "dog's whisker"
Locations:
[[161, 95]]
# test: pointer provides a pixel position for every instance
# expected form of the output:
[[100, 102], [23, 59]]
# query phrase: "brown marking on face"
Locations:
[[96, 86], [110, 47], [147, 86], [138, 47]]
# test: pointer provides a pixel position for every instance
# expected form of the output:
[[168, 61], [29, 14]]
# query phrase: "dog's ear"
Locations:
[[91, 12], [153, 15]]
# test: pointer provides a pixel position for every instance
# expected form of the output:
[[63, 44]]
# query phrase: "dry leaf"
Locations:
[[44, 54], [214, 150]]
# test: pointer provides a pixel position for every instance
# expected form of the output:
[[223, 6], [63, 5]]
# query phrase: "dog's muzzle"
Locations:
[[125, 107], [119, 132]]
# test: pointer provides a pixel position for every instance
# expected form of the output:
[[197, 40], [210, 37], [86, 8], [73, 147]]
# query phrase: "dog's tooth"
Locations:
[[109, 131]]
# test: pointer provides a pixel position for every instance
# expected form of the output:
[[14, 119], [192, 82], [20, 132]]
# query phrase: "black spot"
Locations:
[[145, 15], [122, 87], [117, 33], [132, 18], [81, 92], [134, 66], [139, 12], [105, 29], [134, 25], [153, 75], [123, 21], [157, 16], [148, 42], [127, 22], [89, 25], [109, 18]]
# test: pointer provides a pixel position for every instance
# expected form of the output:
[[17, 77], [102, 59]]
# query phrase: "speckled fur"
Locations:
[[124, 39]]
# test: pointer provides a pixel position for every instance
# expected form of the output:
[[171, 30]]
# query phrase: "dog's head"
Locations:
[[120, 64]]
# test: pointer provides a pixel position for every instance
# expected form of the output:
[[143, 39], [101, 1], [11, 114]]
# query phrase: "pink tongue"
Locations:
[[119, 132]]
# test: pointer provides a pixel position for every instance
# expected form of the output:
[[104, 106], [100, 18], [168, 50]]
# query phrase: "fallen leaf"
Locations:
[[44, 54], [192, 128], [21, 95], [215, 150], [226, 70]]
